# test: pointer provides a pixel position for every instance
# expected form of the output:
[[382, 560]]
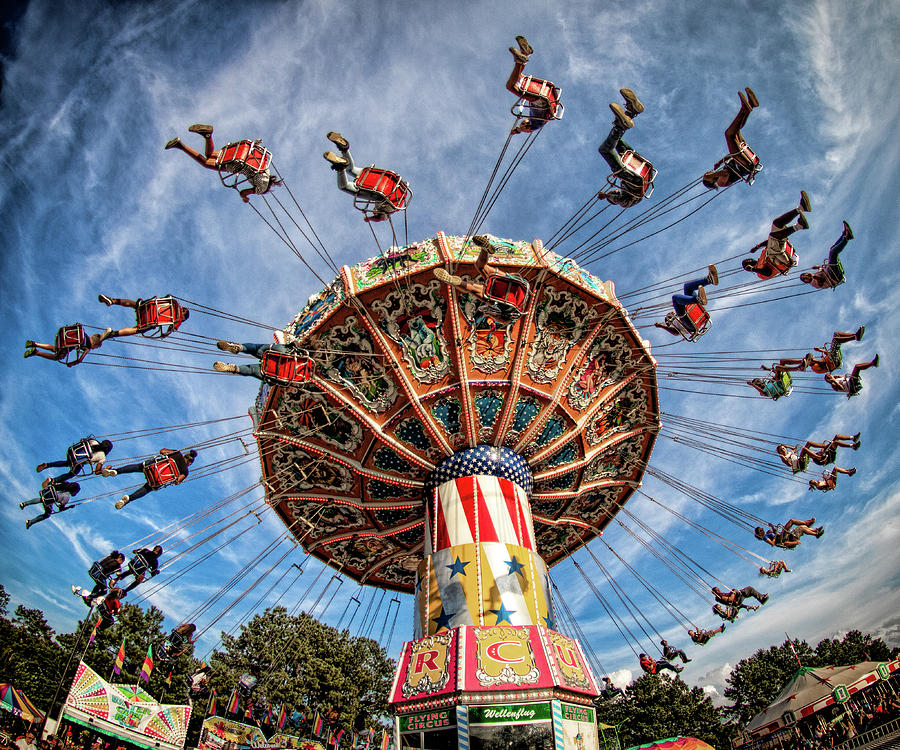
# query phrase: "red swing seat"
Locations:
[[777, 263], [156, 313], [637, 177], [530, 89], [238, 160], [693, 324], [377, 186], [739, 167], [72, 344], [509, 289], [281, 368], [160, 472]]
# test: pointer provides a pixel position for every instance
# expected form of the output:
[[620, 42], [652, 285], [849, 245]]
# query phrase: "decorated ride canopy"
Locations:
[[411, 370], [124, 711]]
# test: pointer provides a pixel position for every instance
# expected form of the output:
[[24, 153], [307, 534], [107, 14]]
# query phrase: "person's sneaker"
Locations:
[[686, 660], [875, 361], [520, 57], [763, 598], [860, 332], [40, 467], [201, 129], [76, 590], [856, 437], [526, 48], [633, 105], [820, 531], [123, 502], [107, 334], [229, 346], [30, 353], [443, 275], [848, 232], [108, 471], [751, 97], [97, 600], [224, 367], [713, 275], [621, 118], [701, 295], [338, 163], [805, 205], [810, 522], [856, 445], [28, 524], [851, 472], [802, 221], [22, 506], [338, 140], [744, 103], [677, 668], [482, 241], [173, 143], [104, 299]]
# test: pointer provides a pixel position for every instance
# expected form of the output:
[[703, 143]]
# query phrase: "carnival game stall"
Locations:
[[812, 690], [124, 711]]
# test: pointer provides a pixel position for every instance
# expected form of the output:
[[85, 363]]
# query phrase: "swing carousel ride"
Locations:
[[456, 415]]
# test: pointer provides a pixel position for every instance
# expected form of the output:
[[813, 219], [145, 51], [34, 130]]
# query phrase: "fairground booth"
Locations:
[[125, 712], [817, 699]]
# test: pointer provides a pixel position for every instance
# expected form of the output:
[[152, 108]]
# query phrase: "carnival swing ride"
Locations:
[[456, 415]]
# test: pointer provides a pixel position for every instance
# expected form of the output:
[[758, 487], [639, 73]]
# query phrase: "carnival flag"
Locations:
[[268, 717], [120, 659], [211, 706], [317, 725], [384, 739], [282, 716], [232, 703], [337, 738], [147, 667], [94, 631]]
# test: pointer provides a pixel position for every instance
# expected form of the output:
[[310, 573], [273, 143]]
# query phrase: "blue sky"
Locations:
[[92, 203]]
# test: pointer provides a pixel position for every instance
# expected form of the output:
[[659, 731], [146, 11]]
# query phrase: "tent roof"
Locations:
[[15, 700], [807, 686]]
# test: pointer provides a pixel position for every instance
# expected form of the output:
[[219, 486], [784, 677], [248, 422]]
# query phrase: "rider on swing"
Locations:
[[631, 185], [738, 164], [490, 273], [261, 181], [382, 206], [53, 493], [539, 107], [694, 293], [177, 315], [181, 460], [775, 251], [88, 452]]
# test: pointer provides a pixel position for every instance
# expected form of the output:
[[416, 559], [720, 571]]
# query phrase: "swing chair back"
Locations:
[[158, 317]]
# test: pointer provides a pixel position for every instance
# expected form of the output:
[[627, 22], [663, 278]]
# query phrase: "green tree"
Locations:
[[853, 648], [657, 707], [30, 654], [308, 666]]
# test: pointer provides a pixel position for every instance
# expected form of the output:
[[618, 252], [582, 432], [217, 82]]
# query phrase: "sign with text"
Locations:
[[516, 713], [428, 721]]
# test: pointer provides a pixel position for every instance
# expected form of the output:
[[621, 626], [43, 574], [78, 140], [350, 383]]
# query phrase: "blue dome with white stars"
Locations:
[[487, 460]]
